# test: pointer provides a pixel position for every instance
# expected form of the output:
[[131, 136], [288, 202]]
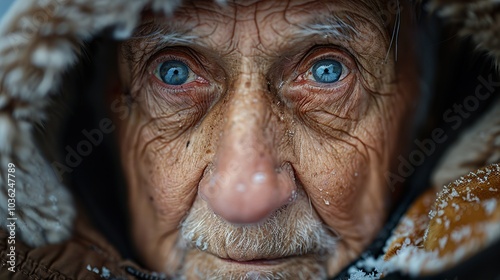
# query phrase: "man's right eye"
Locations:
[[174, 72]]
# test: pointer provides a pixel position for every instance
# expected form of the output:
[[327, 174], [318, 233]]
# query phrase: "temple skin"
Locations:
[[252, 168]]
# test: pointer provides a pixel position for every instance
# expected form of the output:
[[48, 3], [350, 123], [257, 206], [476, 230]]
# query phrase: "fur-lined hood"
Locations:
[[36, 51], [41, 40]]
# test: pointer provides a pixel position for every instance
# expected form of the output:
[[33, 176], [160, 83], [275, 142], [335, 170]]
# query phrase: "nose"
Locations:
[[246, 183]]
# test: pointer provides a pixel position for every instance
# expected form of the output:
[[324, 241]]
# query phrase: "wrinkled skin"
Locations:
[[252, 168]]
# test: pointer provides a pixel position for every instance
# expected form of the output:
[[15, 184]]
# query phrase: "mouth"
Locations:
[[204, 265], [258, 262]]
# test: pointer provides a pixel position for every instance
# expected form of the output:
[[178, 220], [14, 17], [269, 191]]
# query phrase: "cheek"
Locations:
[[152, 166], [333, 176], [164, 160], [170, 192], [344, 175]]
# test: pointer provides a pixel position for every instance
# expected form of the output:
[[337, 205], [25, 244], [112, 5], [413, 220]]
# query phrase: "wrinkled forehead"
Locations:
[[270, 26]]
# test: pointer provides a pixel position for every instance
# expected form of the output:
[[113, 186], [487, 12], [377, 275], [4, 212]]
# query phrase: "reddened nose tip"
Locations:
[[247, 198]]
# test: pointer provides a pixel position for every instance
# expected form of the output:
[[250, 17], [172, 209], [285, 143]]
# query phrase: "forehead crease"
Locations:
[[215, 26]]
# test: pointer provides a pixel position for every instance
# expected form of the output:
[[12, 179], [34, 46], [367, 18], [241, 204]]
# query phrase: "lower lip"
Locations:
[[261, 262]]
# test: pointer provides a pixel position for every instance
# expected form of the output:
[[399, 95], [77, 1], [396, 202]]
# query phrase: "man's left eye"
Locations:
[[174, 72], [326, 71]]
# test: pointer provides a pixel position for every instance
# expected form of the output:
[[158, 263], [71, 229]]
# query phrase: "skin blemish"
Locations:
[[187, 144]]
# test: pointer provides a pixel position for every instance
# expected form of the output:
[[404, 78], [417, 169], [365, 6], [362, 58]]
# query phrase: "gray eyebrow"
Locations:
[[328, 27], [325, 27], [163, 34], [157, 35]]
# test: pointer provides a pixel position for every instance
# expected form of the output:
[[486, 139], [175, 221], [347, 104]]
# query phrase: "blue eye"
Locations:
[[173, 72], [327, 71]]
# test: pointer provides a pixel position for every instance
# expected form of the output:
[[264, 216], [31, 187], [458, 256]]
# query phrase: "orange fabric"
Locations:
[[411, 228], [456, 223], [462, 210]]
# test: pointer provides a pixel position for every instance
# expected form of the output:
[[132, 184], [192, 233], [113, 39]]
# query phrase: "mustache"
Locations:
[[293, 230]]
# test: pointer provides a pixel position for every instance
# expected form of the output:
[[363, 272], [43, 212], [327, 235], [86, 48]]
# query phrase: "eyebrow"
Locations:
[[155, 35], [158, 34], [327, 27], [153, 31]]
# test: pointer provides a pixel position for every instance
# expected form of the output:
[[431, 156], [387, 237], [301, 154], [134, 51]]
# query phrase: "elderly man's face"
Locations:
[[259, 134]]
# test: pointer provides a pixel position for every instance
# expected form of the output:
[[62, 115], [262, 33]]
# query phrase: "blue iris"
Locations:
[[327, 71], [174, 72]]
